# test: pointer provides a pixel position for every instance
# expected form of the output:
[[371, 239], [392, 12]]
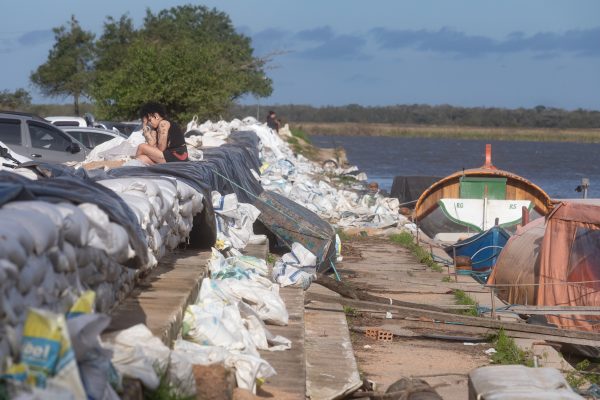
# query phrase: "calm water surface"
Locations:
[[555, 167]]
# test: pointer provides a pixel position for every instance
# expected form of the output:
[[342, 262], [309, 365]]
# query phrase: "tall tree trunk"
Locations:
[[76, 103]]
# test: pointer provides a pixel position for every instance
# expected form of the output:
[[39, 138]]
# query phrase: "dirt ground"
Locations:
[[387, 270]]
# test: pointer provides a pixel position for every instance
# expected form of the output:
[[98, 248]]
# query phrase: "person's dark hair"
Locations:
[[151, 108], [271, 112]]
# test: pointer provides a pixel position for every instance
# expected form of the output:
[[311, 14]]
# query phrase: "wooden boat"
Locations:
[[474, 200], [482, 250]]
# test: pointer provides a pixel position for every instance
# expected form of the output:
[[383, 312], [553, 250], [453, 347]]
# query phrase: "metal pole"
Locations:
[[585, 184], [493, 303]]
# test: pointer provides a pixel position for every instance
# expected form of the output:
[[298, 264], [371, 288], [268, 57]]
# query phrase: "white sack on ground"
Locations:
[[296, 268], [138, 354]]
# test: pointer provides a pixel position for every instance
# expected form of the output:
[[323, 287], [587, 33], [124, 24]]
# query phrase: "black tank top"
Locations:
[[175, 138]]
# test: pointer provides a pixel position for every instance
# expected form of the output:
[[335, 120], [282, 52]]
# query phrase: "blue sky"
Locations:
[[479, 53]]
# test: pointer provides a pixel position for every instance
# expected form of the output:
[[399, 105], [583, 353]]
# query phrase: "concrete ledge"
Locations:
[[290, 365], [160, 299]]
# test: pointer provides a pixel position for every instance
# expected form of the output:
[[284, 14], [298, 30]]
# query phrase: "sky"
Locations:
[[470, 53]]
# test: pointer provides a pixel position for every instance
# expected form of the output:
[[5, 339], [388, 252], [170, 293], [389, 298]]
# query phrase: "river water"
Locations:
[[555, 167]]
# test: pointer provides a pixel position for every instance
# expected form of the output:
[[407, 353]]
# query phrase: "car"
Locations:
[[67, 121], [91, 137], [32, 136], [125, 128]]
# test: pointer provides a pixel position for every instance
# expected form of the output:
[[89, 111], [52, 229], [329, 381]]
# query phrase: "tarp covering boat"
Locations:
[[569, 263], [517, 270], [407, 189]]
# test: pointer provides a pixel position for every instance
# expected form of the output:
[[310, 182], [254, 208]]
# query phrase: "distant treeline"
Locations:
[[416, 114]]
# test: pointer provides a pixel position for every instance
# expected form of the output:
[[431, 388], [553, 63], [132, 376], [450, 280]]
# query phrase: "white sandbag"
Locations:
[[93, 360], [263, 339], [300, 256], [137, 353], [181, 375], [289, 275], [199, 354], [41, 230], [106, 235], [211, 324], [265, 301]]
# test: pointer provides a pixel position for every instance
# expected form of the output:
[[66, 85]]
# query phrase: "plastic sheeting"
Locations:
[[291, 223], [70, 188]]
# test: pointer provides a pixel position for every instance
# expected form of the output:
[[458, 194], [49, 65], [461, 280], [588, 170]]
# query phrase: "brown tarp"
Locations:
[[517, 270], [554, 262], [570, 263]]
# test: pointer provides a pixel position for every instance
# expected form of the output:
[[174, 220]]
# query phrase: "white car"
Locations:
[[91, 137], [61, 121]]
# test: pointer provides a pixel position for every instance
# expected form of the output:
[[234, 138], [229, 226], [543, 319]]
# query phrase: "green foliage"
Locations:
[[441, 115], [68, 70], [344, 237], [165, 391], [271, 258], [406, 240], [189, 58], [464, 299], [350, 311], [447, 279], [507, 352], [18, 100], [582, 375], [301, 134]]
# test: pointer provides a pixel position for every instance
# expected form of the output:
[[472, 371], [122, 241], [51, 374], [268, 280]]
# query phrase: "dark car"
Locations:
[[32, 136]]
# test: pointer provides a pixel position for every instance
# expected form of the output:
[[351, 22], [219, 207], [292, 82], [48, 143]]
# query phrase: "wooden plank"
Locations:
[[590, 337], [555, 310]]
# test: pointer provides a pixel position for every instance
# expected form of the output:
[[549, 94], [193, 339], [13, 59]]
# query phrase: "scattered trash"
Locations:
[[490, 351]]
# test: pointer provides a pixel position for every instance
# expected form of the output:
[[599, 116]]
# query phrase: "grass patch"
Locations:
[[350, 311], [301, 134], [585, 372], [271, 258], [406, 240], [165, 391], [344, 237], [447, 279], [508, 353], [465, 300], [454, 132]]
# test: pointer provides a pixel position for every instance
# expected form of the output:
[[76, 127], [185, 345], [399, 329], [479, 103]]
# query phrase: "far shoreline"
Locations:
[[448, 132]]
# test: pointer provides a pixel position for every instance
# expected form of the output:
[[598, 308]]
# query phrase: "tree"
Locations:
[[17, 100], [68, 70], [189, 58], [113, 44]]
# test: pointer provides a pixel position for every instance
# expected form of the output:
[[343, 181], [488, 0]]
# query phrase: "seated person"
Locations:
[[272, 121], [164, 139]]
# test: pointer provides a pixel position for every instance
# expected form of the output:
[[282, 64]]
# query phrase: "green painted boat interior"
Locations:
[[475, 188]]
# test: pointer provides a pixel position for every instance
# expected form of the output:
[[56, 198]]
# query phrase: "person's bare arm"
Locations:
[[163, 134], [149, 133]]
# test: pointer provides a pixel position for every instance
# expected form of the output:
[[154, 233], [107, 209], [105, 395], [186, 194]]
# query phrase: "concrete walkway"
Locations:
[[391, 271]]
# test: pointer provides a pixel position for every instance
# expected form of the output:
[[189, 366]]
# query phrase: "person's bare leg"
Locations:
[[153, 153], [145, 159]]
